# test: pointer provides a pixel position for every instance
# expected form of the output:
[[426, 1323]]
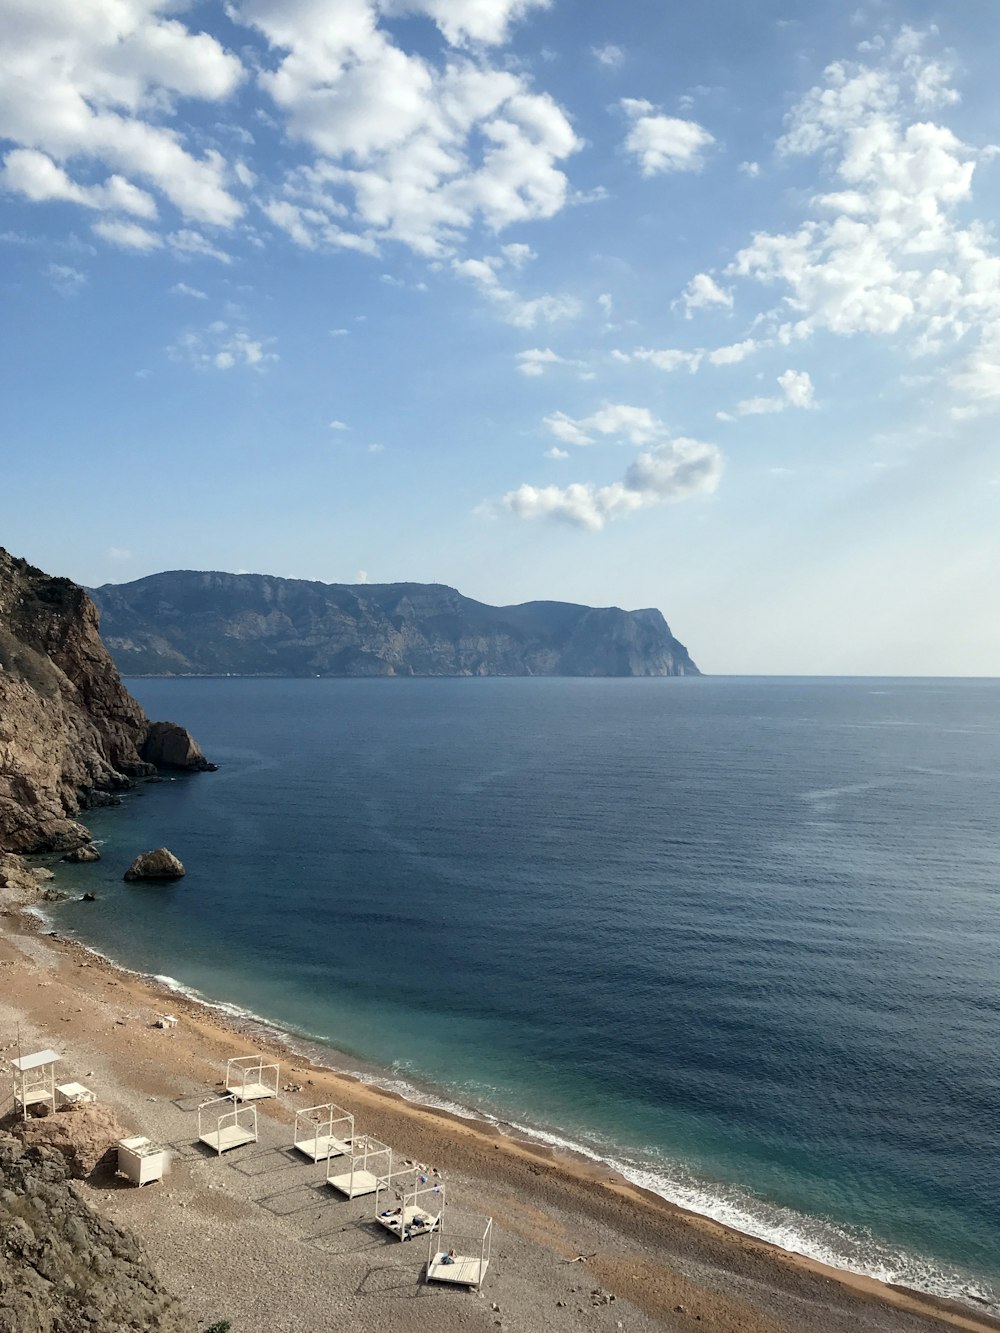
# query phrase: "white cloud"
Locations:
[[665, 472], [886, 251], [118, 553], [405, 149], [750, 169], [606, 303], [664, 143], [796, 391], [191, 243], [339, 425], [669, 358], [65, 279], [637, 425], [39, 179], [90, 84], [533, 361], [734, 352], [182, 289], [220, 347], [523, 313], [703, 291], [376, 448], [127, 235], [463, 21], [610, 56], [556, 454]]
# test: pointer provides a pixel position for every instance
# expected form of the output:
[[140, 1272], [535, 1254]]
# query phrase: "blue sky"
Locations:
[[646, 304]]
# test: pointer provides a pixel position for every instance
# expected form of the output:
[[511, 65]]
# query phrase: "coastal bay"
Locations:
[[759, 987], [256, 1238]]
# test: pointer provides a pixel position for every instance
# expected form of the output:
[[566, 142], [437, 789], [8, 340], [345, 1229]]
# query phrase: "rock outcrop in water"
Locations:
[[188, 623], [158, 864], [70, 733]]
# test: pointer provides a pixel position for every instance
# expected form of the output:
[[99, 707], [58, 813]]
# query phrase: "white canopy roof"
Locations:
[[27, 1062]]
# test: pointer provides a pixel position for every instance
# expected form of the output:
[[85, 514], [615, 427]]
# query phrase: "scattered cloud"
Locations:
[[127, 235], [35, 176], [523, 313], [637, 425], [191, 243], [664, 143], [733, 353], [182, 289], [403, 148], [667, 471], [702, 292], [750, 169], [220, 347], [796, 391], [610, 56], [94, 90], [65, 279], [376, 448], [886, 251], [668, 358], [339, 425], [556, 454]]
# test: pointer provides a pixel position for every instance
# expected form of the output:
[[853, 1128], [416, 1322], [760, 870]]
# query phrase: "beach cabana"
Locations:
[[35, 1081], [459, 1253], [359, 1173], [222, 1124], [249, 1079], [409, 1203], [323, 1131], [142, 1160]]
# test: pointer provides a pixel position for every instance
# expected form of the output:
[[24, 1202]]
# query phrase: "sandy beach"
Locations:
[[256, 1236]]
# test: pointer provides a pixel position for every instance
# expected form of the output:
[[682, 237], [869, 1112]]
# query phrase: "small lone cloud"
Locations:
[[119, 553], [65, 280], [339, 425]]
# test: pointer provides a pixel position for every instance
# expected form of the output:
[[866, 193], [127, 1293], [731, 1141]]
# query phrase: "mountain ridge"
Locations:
[[209, 622]]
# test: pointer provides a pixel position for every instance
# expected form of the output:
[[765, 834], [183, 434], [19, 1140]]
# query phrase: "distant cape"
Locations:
[[208, 624]]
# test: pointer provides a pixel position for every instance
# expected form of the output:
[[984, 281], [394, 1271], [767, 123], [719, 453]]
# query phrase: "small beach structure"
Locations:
[[35, 1081], [459, 1253], [249, 1079], [358, 1171], [323, 1131], [409, 1203], [142, 1160], [223, 1124], [75, 1094]]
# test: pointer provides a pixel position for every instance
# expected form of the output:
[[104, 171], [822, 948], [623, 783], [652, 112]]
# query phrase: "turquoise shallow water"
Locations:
[[739, 937]]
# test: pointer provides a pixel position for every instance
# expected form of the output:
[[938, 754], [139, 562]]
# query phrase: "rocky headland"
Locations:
[[71, 736], [193, 623]]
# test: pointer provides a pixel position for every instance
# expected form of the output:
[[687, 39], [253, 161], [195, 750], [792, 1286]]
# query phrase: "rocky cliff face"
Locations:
[[63, 1268], [188, 623], [70, 733]]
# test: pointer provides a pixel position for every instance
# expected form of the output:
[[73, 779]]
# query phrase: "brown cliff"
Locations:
[[70, 733]]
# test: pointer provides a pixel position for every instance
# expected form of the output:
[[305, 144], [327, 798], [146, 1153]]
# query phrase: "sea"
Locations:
[[738, 938]]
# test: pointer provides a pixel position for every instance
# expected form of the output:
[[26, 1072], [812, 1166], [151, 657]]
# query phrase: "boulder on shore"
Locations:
[[80, 855], [159, 864], [168, 745]]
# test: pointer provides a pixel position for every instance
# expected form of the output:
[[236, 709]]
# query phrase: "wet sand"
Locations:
[[257, 1237]]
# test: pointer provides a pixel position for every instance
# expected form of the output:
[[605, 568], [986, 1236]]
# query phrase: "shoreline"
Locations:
[[592, 1187], [322, 1056]]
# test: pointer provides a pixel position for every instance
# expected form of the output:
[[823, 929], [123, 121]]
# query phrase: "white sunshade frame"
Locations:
[[368, 1160], [472, 1246], [249, 1078], [230, 1128], [324, 1131], [420, 1203]]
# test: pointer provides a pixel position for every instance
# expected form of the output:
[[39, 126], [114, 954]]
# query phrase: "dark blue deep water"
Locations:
[[740, 937]]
